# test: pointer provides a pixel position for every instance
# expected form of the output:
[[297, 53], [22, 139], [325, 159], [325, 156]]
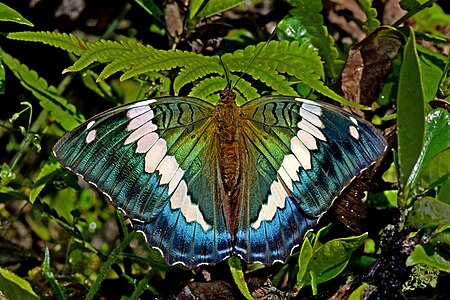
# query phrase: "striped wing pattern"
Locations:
[[157, 161]]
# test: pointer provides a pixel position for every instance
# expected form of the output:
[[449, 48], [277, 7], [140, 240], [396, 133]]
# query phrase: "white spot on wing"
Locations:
[[301, 153], [354, 132], [155, 155], [285, 178], [167, 169], [315, 109], [308, 127], [310, 117], [307, 139], [146, 142], [91, 136], [90, 124], [140, 132], [190, 211], [140, 120], [354, 120], [175, 180], [291, 165], [277, 199], [134, 112]]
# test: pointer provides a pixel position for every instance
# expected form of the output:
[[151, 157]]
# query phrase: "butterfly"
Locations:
[[204, 181]]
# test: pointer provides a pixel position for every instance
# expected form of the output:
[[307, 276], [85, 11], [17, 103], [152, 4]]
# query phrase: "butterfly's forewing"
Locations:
[[302, 154], [154, 159]]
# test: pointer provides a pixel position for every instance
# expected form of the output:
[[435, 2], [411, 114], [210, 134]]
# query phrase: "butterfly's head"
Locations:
[[227, 95]]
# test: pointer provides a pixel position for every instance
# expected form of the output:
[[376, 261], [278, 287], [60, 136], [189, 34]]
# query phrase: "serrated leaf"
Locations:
[[410, 111], [14, 287], [9, 14], [420, 256], [48, 171], [63, 112], [194, 72], [64, 41], [312, 32], [429, 212], [371, 14], [207, 87], [238, 276]]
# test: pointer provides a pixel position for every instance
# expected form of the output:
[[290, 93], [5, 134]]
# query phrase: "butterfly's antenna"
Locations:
[[256, 55], [227, 73]]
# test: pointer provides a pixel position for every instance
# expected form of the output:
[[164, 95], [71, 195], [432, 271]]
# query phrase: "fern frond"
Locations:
[[63, 112], [64, 41], [194, 72], [277, 57], [207, 87], [166, 60], [309, 13], [371, 13], [246, 91], [103, 51]]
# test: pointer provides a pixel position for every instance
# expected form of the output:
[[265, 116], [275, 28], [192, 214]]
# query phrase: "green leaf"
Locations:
[[303, 259], [420, 256], [48, 171], [238, 276], [9, 14], [63, 112], [214, 7], [152, 8], [359, 292], [194, 6], [432, 68], [410, 111], [444, 191], [48, 274], [330, 259], [2, 78], [432, 166], [429, 212], [436, 171], [14, 287], [430, 18], [371, 13]]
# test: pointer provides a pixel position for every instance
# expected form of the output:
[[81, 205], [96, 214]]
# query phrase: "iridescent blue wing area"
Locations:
[[301, 155], [155, 160]]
